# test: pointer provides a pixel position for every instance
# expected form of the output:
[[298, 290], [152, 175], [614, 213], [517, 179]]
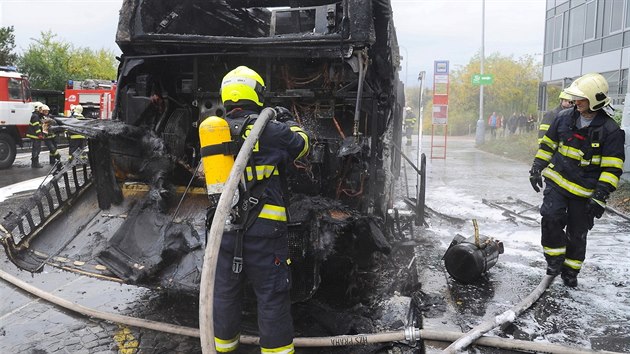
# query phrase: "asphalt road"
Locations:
[[468, 184]]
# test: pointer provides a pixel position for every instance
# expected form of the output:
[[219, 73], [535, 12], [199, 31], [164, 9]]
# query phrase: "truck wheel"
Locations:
[[7, 151]]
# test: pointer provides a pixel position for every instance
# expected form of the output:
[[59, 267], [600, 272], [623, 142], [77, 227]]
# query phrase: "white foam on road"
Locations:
[[31, 184]]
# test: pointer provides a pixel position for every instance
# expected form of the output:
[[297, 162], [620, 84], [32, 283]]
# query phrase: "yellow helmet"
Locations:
[[565, 96], [592, 86], [242, 86]]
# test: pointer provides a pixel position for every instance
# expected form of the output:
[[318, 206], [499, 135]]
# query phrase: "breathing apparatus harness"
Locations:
[[251, 194]]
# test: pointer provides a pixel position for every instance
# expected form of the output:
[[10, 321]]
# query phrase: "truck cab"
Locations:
[[15, 113]]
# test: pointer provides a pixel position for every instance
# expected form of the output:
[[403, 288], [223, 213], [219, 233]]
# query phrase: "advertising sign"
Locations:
[[440, 92]]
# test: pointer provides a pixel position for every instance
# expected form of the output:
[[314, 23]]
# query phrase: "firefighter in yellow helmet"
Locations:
[[566, 101], [258, 249], [581, 157]]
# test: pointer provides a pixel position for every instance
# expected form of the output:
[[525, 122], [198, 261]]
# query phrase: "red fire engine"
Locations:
[[96, 97], [15, 113]]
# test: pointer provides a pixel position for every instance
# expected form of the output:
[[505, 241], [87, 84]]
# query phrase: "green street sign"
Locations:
[[485, 79]]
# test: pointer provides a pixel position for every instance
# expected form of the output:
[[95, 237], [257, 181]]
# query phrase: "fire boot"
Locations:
[[569, 277], [35, 163], [554, 265]]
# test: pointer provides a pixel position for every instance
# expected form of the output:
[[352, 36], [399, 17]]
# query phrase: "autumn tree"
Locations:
[[7, 45], [515, 89], [50, 63]]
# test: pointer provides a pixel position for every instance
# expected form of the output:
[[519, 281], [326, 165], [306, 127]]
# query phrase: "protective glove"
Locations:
[[535, 178], [40, 136], [597, 204], [282, 114]]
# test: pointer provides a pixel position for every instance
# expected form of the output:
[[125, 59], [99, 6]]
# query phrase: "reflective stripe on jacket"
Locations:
[[34, 130], [582, 160], [278, 145], [74, 135]]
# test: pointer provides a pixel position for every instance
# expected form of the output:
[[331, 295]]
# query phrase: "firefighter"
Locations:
[[49, 136], [34, 132], [261, 244], [37, 131], [410, 123], [565, 102], [75, 141], [581, 157]]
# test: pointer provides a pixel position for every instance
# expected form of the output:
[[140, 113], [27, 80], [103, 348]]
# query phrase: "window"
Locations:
[[616, 15], [15, 89], [549, 36], [627, 13], [557, 31], [591, 15], [576, 25]]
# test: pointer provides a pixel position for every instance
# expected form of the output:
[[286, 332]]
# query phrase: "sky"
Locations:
[[427, 30]]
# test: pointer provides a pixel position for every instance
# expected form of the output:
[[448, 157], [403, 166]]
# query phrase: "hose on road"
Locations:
[[507, 316], [409, 334]]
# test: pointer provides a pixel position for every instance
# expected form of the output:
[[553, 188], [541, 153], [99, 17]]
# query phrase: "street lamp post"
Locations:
[[481, 126], [420, 111], [406, 59]]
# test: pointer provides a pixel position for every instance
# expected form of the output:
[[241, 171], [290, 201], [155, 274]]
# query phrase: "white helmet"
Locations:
[[592, 86], [44, 108], [36, 106], [77, 109]]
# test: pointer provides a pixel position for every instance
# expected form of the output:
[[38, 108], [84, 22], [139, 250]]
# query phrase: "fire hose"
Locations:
[[507, 316], [410, 334], [211, 253]]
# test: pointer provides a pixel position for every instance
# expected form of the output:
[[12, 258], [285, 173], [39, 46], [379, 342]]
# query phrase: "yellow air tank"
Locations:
[[214, 136]]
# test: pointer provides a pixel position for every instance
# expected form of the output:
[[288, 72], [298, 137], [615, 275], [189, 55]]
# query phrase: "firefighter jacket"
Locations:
[[278, 145], [410, 120], [71, 135], [34, 130], [582, 161], [547, 120]]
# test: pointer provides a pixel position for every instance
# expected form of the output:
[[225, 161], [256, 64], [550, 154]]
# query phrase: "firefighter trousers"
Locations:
[[266, 266], [564, 227]]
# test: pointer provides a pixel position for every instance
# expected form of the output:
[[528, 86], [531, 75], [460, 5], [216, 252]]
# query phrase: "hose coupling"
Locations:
[[412, 334]]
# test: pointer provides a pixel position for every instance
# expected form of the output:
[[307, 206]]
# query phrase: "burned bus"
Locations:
[[136, 211]]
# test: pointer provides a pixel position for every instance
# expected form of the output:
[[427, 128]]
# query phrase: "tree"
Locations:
[[50, 63], [515, 89], [7, 45]]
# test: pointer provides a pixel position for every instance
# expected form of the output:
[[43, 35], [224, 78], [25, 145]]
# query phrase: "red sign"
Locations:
[[440, 92]]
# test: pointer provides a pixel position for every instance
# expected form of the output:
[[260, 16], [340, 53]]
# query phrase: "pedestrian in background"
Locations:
[[581, 157], [492, 123]]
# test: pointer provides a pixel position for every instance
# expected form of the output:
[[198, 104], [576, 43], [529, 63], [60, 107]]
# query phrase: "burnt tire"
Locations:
[[7, 151]]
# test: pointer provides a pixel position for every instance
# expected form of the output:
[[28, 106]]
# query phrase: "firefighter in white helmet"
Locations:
[[581, 157], [258, 249], [75, 141]]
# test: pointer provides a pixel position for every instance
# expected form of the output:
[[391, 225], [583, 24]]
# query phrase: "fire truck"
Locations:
[[96, 97], [15, 113]]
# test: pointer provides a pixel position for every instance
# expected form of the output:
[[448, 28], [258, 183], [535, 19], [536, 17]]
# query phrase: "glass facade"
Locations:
[[578, 29]]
